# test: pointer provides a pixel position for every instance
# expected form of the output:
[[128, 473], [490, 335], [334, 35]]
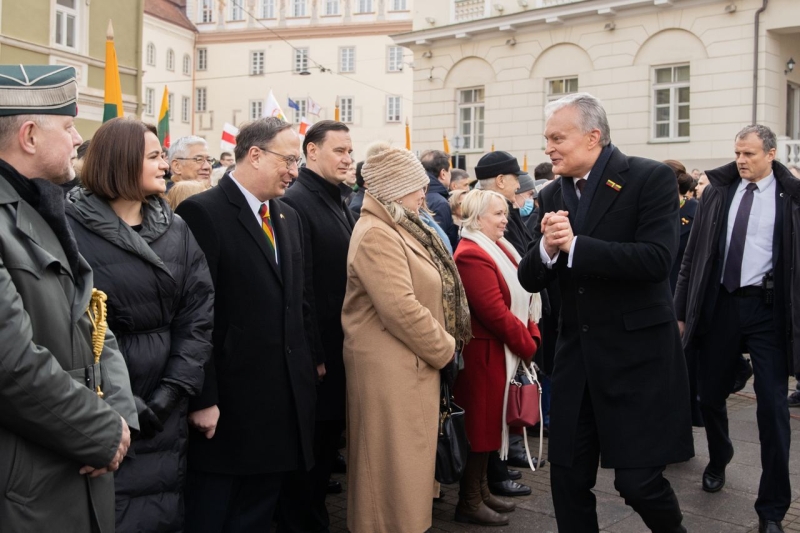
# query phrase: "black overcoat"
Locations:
[[618, 334], [327, 226], [262, 375], [701, 269]]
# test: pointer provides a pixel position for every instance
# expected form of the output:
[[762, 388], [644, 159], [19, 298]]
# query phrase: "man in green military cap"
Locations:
[[65, 399]]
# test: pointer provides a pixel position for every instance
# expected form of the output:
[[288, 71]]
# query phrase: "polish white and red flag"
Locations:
[[313, 107], [229, 133]]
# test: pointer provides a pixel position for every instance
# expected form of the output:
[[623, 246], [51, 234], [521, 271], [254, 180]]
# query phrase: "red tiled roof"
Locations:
[[170, 11]]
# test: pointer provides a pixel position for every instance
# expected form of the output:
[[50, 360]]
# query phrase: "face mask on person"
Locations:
[[527, 207]]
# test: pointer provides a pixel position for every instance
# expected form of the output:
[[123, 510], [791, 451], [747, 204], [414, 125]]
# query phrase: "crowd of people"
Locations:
[[188, 344]]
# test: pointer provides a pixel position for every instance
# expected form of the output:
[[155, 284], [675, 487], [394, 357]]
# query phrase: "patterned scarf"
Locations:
[[454, 299]]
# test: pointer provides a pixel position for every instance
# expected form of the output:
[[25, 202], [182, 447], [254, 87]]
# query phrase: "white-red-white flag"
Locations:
[[304, 125], [229, 133], [313, 107]]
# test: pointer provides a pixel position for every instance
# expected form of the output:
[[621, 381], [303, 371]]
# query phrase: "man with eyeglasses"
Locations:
[[189, 160], [261, 382]]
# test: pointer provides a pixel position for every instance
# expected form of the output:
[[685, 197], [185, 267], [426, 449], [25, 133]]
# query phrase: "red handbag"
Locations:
[[524, 407]]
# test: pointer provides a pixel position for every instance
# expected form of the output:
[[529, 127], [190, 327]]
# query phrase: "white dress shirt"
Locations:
[[548, 262], [255, 206], [757, 255]]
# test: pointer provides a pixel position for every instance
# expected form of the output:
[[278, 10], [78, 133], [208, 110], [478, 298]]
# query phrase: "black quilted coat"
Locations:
[[160, 307]]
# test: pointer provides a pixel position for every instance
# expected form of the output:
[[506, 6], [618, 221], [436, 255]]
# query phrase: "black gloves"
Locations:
[[149, 424], [164, 400]]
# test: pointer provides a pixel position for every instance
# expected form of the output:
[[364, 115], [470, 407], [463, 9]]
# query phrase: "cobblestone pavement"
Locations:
[[728, 511]]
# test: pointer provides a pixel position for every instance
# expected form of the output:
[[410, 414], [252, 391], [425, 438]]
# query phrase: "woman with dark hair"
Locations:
[[688, 209], [160, 305]]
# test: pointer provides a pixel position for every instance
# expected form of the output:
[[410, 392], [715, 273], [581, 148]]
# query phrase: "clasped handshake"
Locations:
[[556, 233]]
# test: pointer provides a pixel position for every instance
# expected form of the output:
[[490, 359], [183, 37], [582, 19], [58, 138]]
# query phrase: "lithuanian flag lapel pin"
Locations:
[[614, 185]]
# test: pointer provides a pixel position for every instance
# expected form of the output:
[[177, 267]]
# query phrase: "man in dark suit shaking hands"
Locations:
[[261, 381], [608, 231]]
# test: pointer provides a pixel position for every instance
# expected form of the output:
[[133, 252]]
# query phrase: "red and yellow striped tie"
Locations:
[[266, 225]]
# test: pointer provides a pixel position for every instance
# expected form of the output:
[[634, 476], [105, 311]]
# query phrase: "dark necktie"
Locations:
[[580, 184], [732, 277]]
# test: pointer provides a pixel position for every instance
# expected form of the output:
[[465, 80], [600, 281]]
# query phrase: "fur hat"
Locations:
[[391, 173]]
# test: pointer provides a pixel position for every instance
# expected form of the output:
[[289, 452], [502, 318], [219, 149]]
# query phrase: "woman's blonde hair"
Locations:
[[183, 190], [453, 200], [475, 204]]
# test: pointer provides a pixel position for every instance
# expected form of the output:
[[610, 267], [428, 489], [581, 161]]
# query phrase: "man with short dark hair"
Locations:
[[608, 232], [358, 198], [64, 386], [261, 379], [437, 164], [225, 160], [460, 180], [327, 226], [737, 291], [544, 171]]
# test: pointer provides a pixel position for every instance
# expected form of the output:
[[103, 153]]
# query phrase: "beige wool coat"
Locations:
[[395, 343]]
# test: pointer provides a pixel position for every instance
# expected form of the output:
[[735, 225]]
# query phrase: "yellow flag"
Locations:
[[336, 113], [408, 136], [112, 101], [445, 144], [525, 162], [492, 147]]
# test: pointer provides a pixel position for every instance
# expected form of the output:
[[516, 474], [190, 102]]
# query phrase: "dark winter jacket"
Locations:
[[160, 306], [437, 200], [688, 211], [699, 279], [517, 233], [356, 201]]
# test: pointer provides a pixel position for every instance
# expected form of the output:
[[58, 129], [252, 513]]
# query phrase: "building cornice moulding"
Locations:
[[321, 31], [55, 52], [156, 22], [545, 18]]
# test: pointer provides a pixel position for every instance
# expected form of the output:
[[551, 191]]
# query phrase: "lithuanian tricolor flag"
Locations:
[[163, 120], [112, 101]]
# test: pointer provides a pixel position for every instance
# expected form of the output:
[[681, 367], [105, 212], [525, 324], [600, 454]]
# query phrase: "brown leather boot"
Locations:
[[470, 508], [493, 502]]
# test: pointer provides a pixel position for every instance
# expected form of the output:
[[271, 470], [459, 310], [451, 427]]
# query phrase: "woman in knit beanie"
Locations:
[[405, 313]]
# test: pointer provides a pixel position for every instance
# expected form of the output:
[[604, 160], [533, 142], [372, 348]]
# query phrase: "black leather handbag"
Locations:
[[453, 446]]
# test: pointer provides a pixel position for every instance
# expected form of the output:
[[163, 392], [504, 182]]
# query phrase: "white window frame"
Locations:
[[394, 59], [62, 16], [187, 65], [236, 11], [346, 109], [299, 60], [205, 11], [171, 105], [267, 10], [200, 99], [302, 103], [566, 82], [477, 118], [256, 109], [202, 59], [394, 108], [170, 59], [257, 62], [186, 106], [298, 8], [674, 121], [364, 6], [331, 7], [150, 54], [149, 101], [347, 59], [399, 5]]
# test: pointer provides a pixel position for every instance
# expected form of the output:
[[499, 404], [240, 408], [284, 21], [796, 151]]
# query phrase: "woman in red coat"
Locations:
[[503, 332]]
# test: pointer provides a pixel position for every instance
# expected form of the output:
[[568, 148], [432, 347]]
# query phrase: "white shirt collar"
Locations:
[[762, 185], [252, 201]]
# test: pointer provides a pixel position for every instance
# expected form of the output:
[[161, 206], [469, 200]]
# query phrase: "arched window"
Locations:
[[187, 64], [170, 59], [151, 54]]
